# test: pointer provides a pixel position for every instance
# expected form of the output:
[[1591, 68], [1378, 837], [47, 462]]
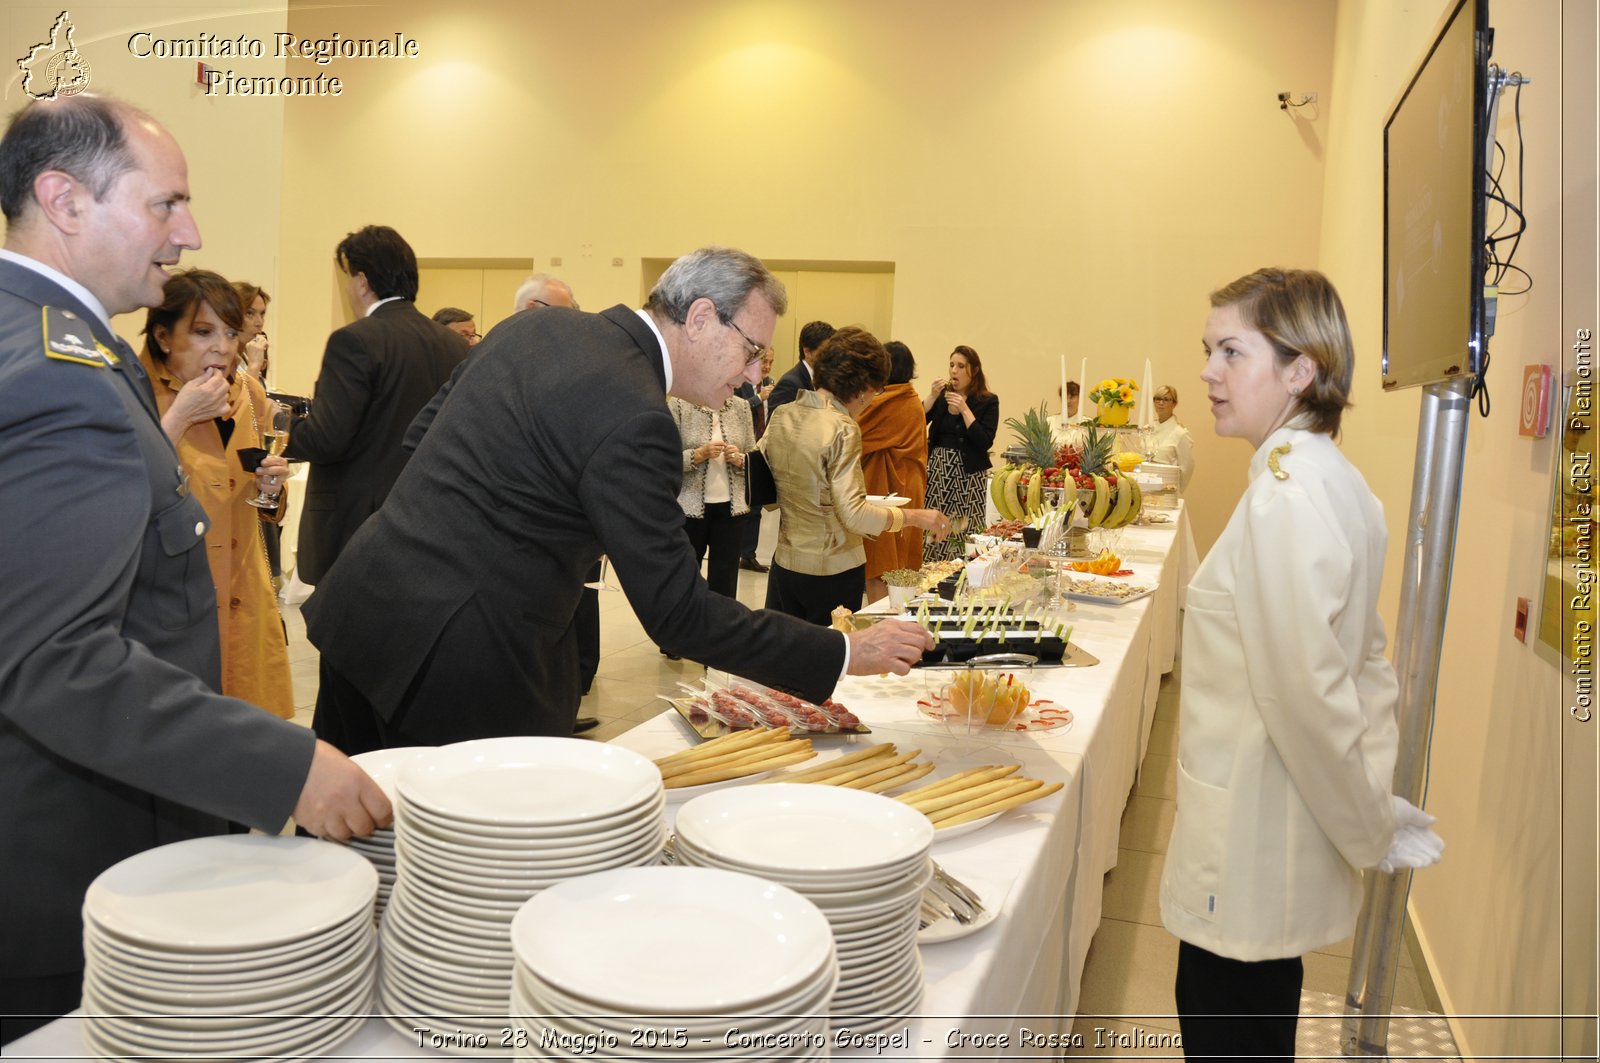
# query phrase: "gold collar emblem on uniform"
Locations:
[[64, 341], [1272, 460]]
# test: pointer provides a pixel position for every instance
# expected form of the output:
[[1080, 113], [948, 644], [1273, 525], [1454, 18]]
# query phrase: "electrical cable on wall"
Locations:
[[1513, 223]]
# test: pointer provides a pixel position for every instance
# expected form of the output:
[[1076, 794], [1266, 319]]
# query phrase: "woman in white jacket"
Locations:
[[1287, 737]]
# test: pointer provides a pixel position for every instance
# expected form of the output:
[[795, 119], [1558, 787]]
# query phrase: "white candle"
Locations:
[[1083, 388], [1063, 389], [1146, 399]]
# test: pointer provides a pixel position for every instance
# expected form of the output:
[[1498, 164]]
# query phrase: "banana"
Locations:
[[1124, 507], [1102, 502], [1013, 503], [1138, 499], [1035, 492], [997, 485]]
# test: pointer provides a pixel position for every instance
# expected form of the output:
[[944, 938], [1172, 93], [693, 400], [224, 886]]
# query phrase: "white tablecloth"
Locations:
[[1020, 975]]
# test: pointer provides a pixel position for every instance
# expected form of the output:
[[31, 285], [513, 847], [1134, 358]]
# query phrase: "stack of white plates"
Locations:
[[667, 963], [480, 828], [384, 766], [861, 858], [236, 945]]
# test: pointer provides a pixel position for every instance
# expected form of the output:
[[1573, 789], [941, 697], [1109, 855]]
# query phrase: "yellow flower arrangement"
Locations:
[[1114, 391]]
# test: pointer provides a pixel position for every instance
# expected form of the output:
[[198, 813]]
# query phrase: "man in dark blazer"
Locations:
[[812, 336], [113, 738], [450, 614], [377, 372]]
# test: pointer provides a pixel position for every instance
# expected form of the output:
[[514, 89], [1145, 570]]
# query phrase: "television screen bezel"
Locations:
[[1476, 339]]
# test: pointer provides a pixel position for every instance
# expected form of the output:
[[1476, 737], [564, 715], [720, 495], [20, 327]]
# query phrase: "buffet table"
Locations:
[[1011, 988]]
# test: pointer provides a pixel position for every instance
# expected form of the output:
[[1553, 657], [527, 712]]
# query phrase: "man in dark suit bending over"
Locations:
[[377, 372], [449, 616]]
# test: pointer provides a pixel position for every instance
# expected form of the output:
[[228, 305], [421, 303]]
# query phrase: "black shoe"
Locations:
[[670, 656], [750, 564], [584, 723]]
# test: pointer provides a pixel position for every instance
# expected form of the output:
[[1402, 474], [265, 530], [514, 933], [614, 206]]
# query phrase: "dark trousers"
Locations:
[[587, 622], [814, 598], [1234, 1009], [749, 532], [29, 1003], [718, 533], [483, 678]]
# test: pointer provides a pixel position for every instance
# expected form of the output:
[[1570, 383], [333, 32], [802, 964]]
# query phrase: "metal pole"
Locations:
[[1424, 596]]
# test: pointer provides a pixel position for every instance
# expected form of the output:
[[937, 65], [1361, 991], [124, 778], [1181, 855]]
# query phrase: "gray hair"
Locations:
[[84, 136], [725, 275], [536, 288]]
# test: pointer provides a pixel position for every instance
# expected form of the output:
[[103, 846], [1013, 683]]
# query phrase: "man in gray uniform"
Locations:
[[113, 738]]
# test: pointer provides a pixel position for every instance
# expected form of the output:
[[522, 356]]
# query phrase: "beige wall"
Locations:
[[234, 146], [1049, 177], [1491, 916]]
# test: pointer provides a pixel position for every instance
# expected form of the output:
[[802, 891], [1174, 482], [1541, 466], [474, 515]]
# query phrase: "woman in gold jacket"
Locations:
[[211, 412], [813, 446]]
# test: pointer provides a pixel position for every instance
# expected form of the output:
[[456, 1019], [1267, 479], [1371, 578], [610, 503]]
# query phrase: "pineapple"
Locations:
[[1033, 432], [1116, 498], [1038, 443]]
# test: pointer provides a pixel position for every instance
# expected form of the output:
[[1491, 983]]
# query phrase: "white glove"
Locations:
[[1414, 844]]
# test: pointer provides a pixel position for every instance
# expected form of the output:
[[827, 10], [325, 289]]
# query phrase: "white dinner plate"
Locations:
[[494, 857], [448, 934], [384, 765], [888, 500], [177, 968], [605, 938], [827, 889], [231, 893], [535, 998], [527, 781], [463, 832], [199, 996], [236, 1014], [820, 831]]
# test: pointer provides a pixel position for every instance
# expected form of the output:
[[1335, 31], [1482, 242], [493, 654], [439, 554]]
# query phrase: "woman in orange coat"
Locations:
[[210, 412], [894, 461]]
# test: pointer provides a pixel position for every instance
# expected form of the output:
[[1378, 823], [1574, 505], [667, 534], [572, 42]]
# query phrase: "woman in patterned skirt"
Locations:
[[963, 415]]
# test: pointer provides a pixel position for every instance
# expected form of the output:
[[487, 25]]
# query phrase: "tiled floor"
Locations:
[[1127, 980]]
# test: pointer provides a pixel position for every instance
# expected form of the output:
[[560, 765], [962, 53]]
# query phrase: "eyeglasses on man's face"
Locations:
[[760, 351]]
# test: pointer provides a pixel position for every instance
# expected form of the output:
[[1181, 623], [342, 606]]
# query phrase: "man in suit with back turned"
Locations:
[[113, 738], [812, 336], [377, 372], [538, 292], [449, 616]]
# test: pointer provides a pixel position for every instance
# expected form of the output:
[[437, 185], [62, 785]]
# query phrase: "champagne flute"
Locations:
[[601, 584], [277, 438]]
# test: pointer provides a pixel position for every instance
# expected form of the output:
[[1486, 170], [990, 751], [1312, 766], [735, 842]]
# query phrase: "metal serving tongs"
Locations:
[[946, 897]]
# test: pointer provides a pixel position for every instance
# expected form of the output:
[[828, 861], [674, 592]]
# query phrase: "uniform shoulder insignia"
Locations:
[[68, 338], [1272, 460]]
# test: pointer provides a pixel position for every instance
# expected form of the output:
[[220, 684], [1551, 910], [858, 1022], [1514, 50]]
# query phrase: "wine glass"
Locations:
[[277, 438], [601, 584]]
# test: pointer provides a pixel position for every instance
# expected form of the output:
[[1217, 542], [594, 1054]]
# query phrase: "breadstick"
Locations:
[[906, 773], [998, 806], [779, 759], [874, 770], [749, 749], [870, 767], [961, 780], [977, 800], [718, 746], [810, 774], [930, 805]]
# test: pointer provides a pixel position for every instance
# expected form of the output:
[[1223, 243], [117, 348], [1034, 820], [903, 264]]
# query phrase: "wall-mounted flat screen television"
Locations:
[[1434, 145]]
